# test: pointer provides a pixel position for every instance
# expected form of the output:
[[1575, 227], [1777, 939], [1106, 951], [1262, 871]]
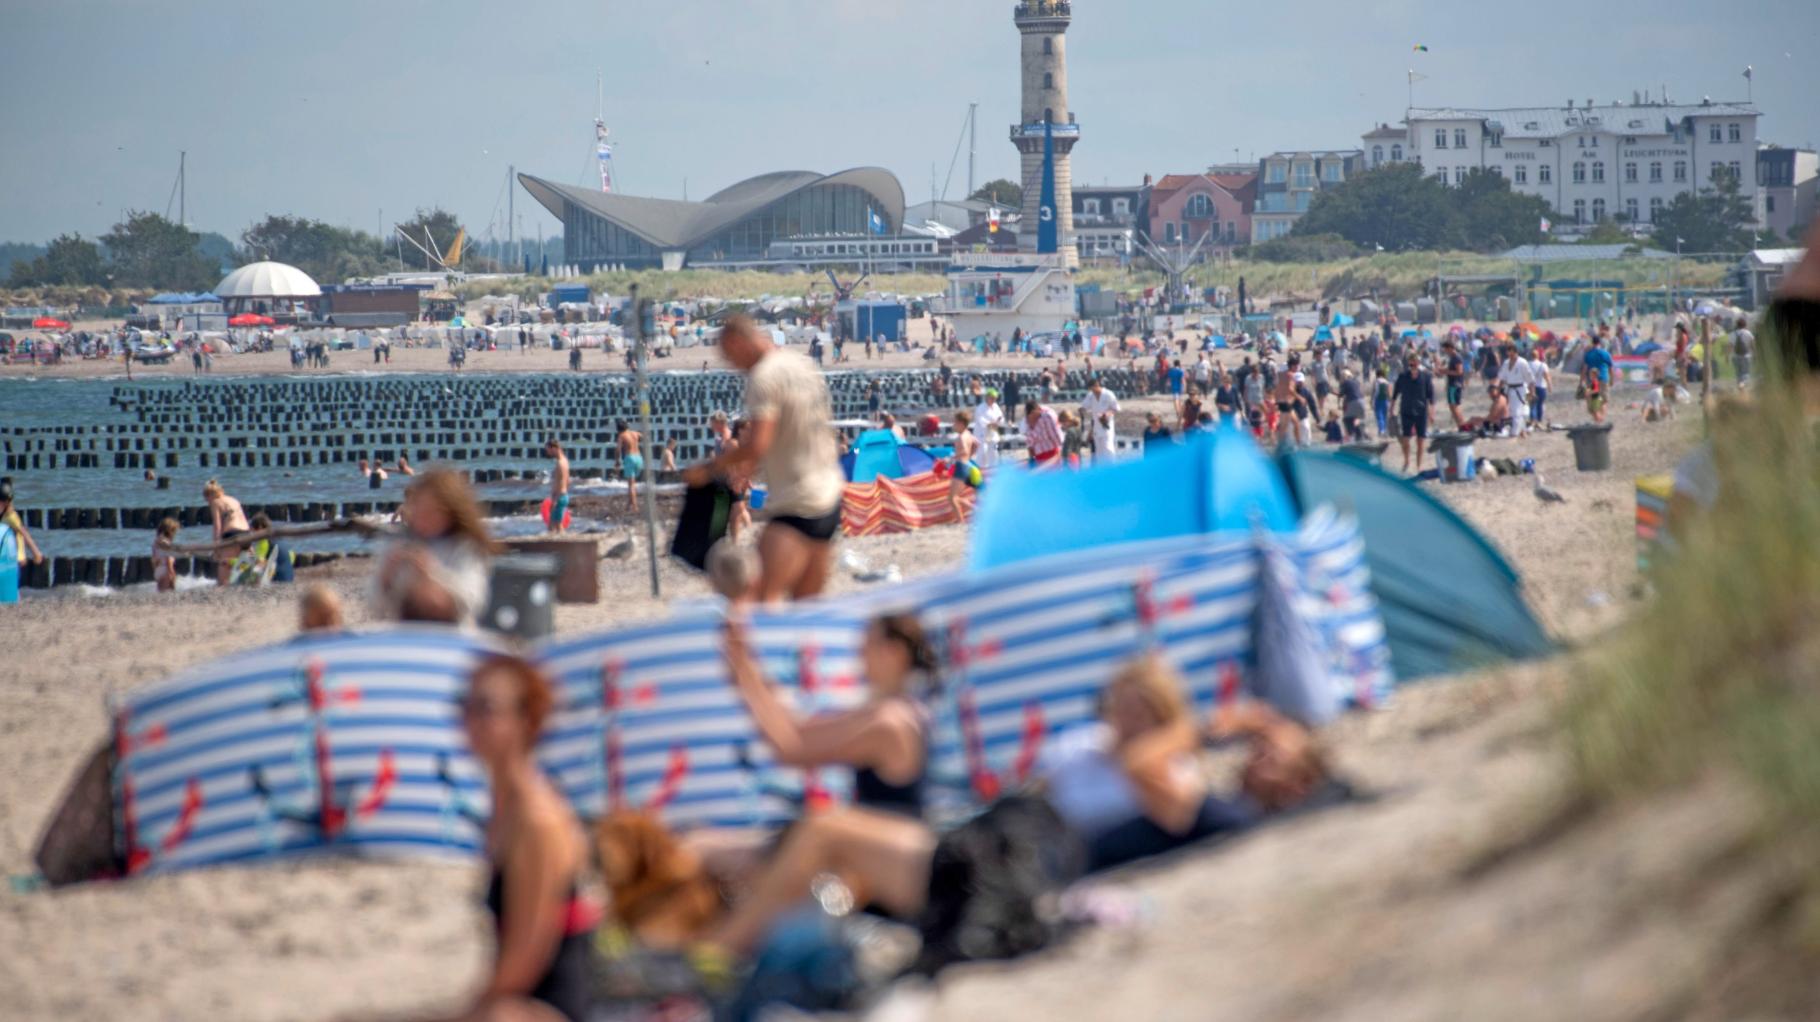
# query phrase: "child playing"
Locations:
[[164, 563]]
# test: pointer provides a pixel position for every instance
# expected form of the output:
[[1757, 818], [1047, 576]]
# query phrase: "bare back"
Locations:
[[559, 476]]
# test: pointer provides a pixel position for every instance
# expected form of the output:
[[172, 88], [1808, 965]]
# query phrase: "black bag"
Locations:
[[992, 885], [705, 513]]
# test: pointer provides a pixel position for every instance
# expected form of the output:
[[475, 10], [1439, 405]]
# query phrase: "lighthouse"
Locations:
[[1046, 134]]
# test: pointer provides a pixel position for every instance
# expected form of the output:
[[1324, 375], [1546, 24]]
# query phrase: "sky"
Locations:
[[359, 111]]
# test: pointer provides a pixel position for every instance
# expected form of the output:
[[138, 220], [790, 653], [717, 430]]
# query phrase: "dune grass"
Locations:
[[1722, 670]]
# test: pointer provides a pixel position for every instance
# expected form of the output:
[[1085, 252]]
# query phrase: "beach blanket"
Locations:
[[352, 743]]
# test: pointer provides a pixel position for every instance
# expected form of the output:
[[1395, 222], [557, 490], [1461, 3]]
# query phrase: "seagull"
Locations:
[[1545, 494], [619, 551]]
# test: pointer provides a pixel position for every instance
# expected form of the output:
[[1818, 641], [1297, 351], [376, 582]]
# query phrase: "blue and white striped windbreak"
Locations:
[[352, 743]]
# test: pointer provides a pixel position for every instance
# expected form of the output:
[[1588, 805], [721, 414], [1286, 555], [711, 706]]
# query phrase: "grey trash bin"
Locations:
[[1592, 446], [523, 599]]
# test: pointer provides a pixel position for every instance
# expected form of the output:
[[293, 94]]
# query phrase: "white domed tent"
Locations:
[[268, 288]]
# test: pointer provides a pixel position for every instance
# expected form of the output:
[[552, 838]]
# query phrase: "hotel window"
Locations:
[[1377, 155], [1582, 139], [1630, 173], [1655, 207], [1440, 138], [1497, 140], [1579, 211], [1275, 173], [1459, 175], [1545, 174], [1713, 134], [1630, 210], [1734, 132], [1737, 172], [1680, 170], [1655, 172], [1718, 170], [1459, 138], [1169, 232], [1200, 207], [1121, 207], [1090, 207], [1769, 204], [1304, 174], [1441, 174], [1579, 173], [1598, 211], [1330, 172], [1545, 143], [1598, 171], [1522, 173], [1396, 153]]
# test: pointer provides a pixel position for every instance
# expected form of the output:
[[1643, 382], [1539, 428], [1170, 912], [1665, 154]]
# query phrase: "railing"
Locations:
[[1043, 9]]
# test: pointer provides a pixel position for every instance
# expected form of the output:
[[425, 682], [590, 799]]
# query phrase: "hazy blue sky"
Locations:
[[337, 109]]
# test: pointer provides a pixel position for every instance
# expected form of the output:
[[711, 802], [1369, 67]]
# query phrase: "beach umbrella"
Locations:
[[1528, 328], [251, 319], [49, 323]]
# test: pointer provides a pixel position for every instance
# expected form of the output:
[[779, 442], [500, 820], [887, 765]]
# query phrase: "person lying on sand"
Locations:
[[1130, 791]]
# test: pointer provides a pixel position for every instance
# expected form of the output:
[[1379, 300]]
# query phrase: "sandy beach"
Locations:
[[1371, 911]]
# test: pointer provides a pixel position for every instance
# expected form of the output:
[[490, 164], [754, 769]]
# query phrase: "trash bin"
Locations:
[[1592, 446], [523, 598], [1454, 457], [1370, 454]]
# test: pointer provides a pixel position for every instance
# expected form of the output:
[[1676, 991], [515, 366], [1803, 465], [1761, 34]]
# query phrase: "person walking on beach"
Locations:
[[1539, 382], [1453, 370], [559, 484], [1043, 435], [1099, 409], [1414, 395], [1595, 378], [788, 437], [631, 461], [229, 521], [988, 419]]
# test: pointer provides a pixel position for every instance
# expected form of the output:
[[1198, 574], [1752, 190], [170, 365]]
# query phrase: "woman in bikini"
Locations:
[[229, 521]]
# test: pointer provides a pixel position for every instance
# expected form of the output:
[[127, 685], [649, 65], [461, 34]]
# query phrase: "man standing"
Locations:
[[1454, 370], [1515, 376], [631, 461], [1595, 378], [1414, 396], [1743, 343], [1100, 408], [988, 419], [559, 484], [1043, 434], [788, 436]]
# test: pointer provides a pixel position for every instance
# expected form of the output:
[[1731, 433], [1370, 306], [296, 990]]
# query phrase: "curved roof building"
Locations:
[[735, 224]]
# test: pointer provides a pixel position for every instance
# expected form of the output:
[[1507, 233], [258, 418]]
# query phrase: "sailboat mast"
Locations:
[[183, 188]]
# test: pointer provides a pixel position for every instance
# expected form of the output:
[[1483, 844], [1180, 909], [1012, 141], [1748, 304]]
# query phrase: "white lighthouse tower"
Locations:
[[1047, 124]]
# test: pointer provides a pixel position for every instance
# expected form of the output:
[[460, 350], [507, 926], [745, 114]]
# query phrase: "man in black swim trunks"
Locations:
[[1414, 397], [788, 437]]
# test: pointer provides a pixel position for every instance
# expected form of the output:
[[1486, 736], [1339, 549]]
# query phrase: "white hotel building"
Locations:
[[1590, 163]]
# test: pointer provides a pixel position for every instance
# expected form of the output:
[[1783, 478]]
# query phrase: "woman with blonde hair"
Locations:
[[229, 520], [439, 569]]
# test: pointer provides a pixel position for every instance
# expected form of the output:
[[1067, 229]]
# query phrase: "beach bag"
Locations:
[[703, 521], [993, 884]]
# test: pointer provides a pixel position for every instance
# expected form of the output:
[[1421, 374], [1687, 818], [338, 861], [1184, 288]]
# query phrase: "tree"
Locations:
[[1492, 216], [324, 251], [70, 260], [1717, 219], [1002, 193], [1394, 207], [1607, 232], [146, 250], [441, 227]]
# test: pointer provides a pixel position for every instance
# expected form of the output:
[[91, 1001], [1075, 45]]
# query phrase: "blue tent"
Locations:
[[878, 452], [1217, 481], [1322, 333], [1450, 600], [1341, 319]]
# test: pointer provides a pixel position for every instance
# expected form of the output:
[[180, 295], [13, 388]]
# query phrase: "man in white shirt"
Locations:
[[1100, 410], [1515, 377], [988, 419], [1540, 379], [1203, 373]]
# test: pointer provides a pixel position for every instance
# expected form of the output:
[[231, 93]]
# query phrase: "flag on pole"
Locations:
[[874, 221], [1748, 69], [1546, 225], [992, 220], [1416, 76]]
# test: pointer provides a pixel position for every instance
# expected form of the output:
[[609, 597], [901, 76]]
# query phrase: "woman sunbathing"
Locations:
[[1131, 791]]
